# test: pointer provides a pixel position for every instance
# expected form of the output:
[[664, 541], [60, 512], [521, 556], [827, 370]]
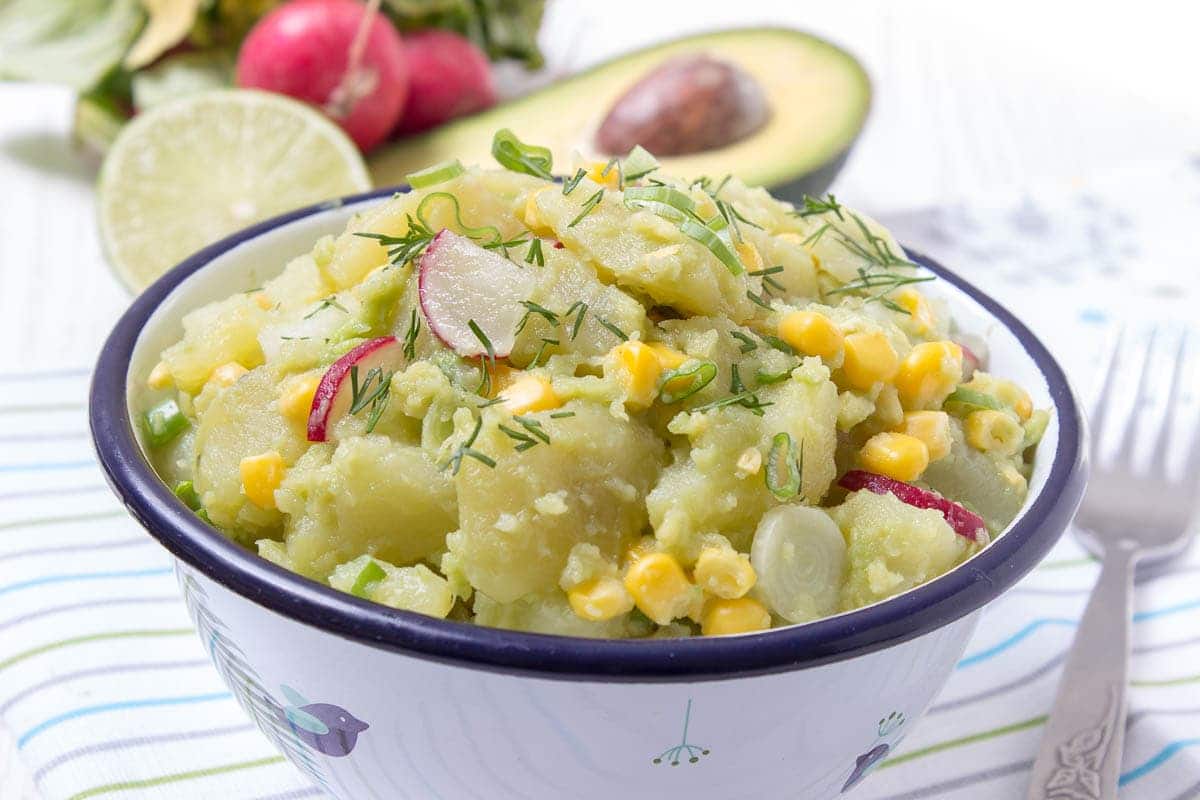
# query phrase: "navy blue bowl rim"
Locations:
[[914, 613]]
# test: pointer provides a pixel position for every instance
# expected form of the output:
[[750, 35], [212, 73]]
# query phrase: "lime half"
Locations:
[[184, 174]]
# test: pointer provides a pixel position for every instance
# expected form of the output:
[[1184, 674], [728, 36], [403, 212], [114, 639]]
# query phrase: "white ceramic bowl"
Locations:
[[425, 708]]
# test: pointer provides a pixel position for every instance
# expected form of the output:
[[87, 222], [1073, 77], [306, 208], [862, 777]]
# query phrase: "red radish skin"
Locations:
[[333, 395], [458, 282], [302, 49], [449, 77], [964, 523]]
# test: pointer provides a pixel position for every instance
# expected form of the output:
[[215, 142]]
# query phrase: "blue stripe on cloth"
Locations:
[[87, 711], [85, 576], [1160, 758], [995, 650]]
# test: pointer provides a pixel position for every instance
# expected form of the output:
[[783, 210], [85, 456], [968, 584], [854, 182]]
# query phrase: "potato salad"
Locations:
[[617, 404]]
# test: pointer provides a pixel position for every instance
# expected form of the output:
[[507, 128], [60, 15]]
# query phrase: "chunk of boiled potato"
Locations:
[[416, 588], [984, 482], [644, 253], [549, 613], [519, 521], [892, 546], [708, 490], [213, 335], [241, 420], [485, 198], [369, 495]]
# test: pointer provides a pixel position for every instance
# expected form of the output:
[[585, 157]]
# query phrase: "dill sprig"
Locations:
[[776, 343], [370, 394], [532, 308], [562, 414], [488, 365], [465, 450], [588, 206], [327, 302], [816, 235], [615, 162], [410, 336], [535, 254], [884, 282], [406, 248], [579, 309], [613, 329], [770, 284], [877, 252], [758, 301], [537, 358], [813, 205], [530, 437], [747, 344], [570, 183]]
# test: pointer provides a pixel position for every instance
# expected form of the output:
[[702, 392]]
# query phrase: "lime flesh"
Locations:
[[188, 173]]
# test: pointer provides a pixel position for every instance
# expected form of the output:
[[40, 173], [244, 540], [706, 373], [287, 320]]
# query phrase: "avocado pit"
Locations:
[[687, 105]]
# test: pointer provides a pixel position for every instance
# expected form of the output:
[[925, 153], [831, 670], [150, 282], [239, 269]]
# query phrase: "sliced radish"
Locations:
[[799, 556], [333, 396], [964, 523], [460, 283], [974, 350]]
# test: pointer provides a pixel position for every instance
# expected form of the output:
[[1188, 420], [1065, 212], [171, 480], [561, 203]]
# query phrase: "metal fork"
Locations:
[[1131, 517]]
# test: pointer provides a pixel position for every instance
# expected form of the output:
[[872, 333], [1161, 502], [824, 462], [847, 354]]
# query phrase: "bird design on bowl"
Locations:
[[326, 728], [879, 750]]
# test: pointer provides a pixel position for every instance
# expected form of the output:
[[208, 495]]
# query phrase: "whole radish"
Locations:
[[449, 77], [305, 49]]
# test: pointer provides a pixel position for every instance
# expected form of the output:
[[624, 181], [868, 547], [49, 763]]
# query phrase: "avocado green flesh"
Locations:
[[819, 97]]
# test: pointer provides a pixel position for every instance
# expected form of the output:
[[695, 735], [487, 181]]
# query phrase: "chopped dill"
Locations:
[[466, 450], [588, 206]]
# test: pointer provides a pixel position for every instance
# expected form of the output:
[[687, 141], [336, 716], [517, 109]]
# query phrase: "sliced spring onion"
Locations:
[[370, 575], [163, 423], [715, 244], [693, 376], [186, 492], [639, 163], [513, 154], [784, 467], [438, 173], [968, 400], [665, 201]]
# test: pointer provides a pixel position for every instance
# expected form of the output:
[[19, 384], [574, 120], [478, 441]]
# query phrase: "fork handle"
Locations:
[[1080, 756]]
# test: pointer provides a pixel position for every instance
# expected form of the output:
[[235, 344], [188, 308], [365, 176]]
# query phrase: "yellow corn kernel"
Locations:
[[870, 359], [604, 174], [659, 588], [261, 476], [724, 573], [896, 455], [749, 256], [262, 301], [530, 392], [741, 615], [993, 431], [160, 376], [928, 374], [918, 308], [1014, 397], [533, 215], [640, 370], [600, 599], [227, 374], [668, 358], [811, 333], [296, 401], [932, 428]]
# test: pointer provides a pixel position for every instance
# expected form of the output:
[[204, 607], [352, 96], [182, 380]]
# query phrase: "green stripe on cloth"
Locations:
[[950, 744], [176, 777], [94, 637], [1167, 682]]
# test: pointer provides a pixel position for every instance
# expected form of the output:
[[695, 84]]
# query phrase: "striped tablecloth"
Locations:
[[105, 692]]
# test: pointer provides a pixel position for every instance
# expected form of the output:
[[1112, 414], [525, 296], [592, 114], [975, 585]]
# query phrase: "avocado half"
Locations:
[[819, 96]]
